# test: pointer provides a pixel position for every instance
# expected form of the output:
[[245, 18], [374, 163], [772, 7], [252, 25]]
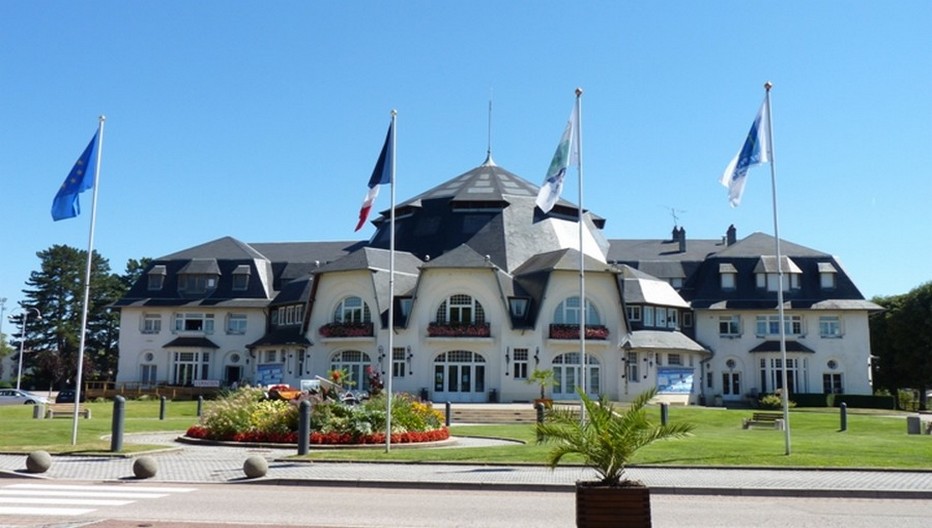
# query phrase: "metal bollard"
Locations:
[[200, 405], [162, 408], [448, 413], [304, 427], [844, 416], [664, 413], [116, 429], [539, 407]]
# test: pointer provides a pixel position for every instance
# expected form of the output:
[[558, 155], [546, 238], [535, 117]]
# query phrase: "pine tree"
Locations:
[[57, 292]]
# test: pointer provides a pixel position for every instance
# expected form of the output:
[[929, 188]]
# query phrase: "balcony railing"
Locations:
[[347, 330], [459, 330], [571, 331]]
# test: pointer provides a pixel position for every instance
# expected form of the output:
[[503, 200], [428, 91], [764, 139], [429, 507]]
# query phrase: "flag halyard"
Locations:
[[381, 175], [567, 154], [81, 178], [757, 149]]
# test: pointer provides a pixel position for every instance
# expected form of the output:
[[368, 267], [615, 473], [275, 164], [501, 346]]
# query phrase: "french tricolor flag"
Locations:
[[381, 175]]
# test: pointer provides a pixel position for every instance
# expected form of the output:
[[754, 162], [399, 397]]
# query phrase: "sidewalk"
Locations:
[[182, 463]]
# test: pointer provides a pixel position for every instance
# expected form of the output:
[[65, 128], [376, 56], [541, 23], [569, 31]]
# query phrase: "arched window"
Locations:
[[460, 309], [568, 312], [352, 310]]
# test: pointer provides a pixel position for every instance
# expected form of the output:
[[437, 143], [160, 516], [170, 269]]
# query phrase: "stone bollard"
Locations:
[[844, 416], [38, 462], [664, 413], [162, 408], [200, 405], [255, 467], [448, 413], [145, 467]]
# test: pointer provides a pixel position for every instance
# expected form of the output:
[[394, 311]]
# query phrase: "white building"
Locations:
[[487, 289]]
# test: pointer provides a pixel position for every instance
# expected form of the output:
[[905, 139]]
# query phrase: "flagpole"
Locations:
[[584, 377], [391, 300], [87, 281], [780, 309]]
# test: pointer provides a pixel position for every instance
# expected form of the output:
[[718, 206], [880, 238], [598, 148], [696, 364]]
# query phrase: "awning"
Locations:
[[190, 342], [774, 346]]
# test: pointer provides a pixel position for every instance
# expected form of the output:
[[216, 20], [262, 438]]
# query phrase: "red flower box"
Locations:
[[571, 331], [459, 330]]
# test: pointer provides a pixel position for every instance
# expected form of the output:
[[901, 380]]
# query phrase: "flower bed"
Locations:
[[247, 416]]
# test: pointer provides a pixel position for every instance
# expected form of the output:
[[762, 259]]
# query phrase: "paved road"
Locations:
[[217, 464]]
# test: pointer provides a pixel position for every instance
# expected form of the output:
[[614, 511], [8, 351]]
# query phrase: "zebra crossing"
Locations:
[[74, 500]]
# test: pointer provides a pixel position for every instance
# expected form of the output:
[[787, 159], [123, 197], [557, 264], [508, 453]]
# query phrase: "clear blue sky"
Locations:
[[263, 120]]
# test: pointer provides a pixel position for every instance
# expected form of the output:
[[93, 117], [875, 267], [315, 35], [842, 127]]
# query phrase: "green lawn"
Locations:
[[20, 432], [874, 439]]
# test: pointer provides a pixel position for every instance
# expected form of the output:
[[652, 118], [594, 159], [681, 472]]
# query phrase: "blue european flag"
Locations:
[[80, 179]]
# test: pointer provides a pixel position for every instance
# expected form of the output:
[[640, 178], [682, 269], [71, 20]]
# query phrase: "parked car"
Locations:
[[67, 396], [19, 397]]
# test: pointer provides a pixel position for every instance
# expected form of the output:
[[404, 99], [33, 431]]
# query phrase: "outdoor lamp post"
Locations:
[[22, 343]]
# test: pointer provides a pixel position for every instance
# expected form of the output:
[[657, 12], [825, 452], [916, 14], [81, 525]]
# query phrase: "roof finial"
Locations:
[[488, 152]]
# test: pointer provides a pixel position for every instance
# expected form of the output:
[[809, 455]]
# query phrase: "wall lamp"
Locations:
[[537, 356]]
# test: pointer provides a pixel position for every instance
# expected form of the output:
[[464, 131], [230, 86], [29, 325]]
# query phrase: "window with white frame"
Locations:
[[648, 316], [770, 325], [236, 324], [151, 323], [729, 275], [271, 356], [352, 310], [829, 326], [687, 319], [827, 274], [673, 318], [460, 309], [398, 362], [288, 315], [632, 367], [194, 322], [567, 312], [660, 315], [770, 281], [674, 359], [520, 363], [634, 313], [729, 325]]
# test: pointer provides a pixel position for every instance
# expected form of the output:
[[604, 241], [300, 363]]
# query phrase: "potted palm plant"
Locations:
[[607, 440], [544, 378]]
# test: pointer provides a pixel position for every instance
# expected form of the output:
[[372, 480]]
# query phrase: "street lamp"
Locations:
[[22, 343]]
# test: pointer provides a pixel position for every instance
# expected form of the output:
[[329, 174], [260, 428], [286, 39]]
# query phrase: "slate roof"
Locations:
[[492, 211], [662, 340]]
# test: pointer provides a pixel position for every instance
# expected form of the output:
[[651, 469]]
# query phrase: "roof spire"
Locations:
[[488, 152]]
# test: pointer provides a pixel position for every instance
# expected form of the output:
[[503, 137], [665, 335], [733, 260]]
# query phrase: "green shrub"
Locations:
[[773, 401]]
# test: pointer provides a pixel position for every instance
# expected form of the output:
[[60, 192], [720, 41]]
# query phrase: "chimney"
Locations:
[[682, 240], [732, 235]]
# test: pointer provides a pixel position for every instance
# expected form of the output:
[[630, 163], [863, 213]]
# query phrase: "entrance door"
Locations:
[[731, 385], [459, 376]]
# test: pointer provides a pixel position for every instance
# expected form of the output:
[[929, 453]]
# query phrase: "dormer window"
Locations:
[[518, 306], [197, 283], [198, 276], [241, 278], [729, 276], [827, 274], [768, 276], [156, 277]]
